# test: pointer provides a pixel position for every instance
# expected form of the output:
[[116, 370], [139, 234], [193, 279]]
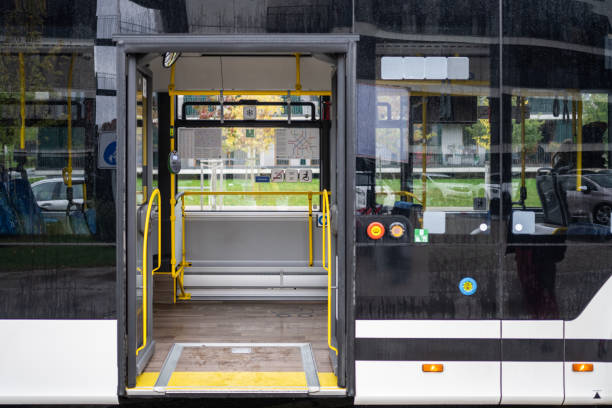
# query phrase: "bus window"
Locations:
[[560, 173], [440, 178]]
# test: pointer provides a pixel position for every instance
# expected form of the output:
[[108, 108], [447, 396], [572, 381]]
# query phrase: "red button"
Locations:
[[376, 230]]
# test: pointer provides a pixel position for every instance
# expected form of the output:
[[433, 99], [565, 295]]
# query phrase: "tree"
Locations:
[[533, 134]]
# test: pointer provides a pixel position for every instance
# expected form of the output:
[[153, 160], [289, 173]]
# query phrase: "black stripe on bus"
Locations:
[[376, 349], [381, 349], [532, 349], [588, 350]]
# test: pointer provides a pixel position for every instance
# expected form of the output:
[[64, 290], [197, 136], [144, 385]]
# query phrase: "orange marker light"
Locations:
[[582, 367], [433, 368], [376, 230], [397, 230]]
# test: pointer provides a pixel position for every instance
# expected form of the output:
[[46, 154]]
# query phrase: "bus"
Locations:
[[385, 202]]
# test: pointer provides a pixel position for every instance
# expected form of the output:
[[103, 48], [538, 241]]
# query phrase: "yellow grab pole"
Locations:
[[309, 229], [22, 100], [249, 92], [298, 83], [579, 148], [183, 260], [327, 240], [155, 195], [70, 121], [172, 182], [424, 159], [523, 151]]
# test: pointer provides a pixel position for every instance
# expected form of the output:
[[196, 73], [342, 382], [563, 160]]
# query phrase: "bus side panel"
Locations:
[[390, 356], [58, 362], [588, 339]]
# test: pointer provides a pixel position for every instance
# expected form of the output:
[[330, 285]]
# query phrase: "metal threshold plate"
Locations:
[[218, 375]]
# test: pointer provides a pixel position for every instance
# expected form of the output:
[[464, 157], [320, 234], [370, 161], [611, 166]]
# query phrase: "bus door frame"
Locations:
[[129, 47]]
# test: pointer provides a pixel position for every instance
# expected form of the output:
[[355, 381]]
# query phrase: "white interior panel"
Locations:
[[392, 68], [228, 72], [414, 68], [404, 382], [458, 67], [427, 329], [532, 382], [58, 362], [435, 68]]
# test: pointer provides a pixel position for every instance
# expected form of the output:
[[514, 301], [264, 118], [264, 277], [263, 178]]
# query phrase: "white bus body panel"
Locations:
[[532, 382], [404, 382], [58, 362], [593, 323]]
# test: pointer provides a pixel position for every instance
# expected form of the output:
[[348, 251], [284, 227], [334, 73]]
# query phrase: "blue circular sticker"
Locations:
[[468, 286]]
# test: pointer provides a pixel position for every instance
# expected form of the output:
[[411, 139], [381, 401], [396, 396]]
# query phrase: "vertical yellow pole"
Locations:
[[579, 147], [70, 121], [309, 229], [298, 81], [183, 261], [172, 187], [573, 120], [424, 160], [523, 147], [22, 98]]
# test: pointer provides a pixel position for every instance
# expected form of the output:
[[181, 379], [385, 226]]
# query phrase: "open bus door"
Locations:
[[141, 237]]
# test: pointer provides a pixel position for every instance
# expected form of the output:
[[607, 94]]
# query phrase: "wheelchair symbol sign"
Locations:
[[107, 150], [320, 221]]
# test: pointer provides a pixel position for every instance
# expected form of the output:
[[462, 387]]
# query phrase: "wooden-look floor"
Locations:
[[241, 322]]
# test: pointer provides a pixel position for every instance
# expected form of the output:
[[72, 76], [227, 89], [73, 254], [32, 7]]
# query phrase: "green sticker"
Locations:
[[421, 235], [250, 133]]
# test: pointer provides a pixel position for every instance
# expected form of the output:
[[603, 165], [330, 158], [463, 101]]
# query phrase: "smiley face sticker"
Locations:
[[468, 286]]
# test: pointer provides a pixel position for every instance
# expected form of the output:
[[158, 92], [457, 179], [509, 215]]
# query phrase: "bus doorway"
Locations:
[[235, 247]]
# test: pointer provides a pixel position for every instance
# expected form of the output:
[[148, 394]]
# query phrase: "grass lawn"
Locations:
[[442, 193]]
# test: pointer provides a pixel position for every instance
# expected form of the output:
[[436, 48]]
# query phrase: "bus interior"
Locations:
[[235, 289]]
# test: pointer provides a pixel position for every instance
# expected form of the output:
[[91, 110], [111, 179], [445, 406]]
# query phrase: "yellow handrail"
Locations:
[[309, 194], [22, 99], [155, 194], [326, 231], [248, 92]]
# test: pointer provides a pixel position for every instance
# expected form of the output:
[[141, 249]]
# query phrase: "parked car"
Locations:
[[51, 194], [593, 199]]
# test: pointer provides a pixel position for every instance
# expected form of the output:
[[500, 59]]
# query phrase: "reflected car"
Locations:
[[442, 186], [592, 200], [51, 194]]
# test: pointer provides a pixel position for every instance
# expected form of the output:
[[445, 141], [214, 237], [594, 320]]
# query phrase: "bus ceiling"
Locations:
[[269, 73]]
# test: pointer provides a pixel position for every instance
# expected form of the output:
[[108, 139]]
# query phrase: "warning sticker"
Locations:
[[277, 175]]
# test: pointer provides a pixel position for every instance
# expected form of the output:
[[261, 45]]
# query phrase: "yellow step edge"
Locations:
[[239, 380]]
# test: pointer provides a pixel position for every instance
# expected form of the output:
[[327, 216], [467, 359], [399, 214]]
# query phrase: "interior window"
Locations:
[[251, 159], [44, 191]]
